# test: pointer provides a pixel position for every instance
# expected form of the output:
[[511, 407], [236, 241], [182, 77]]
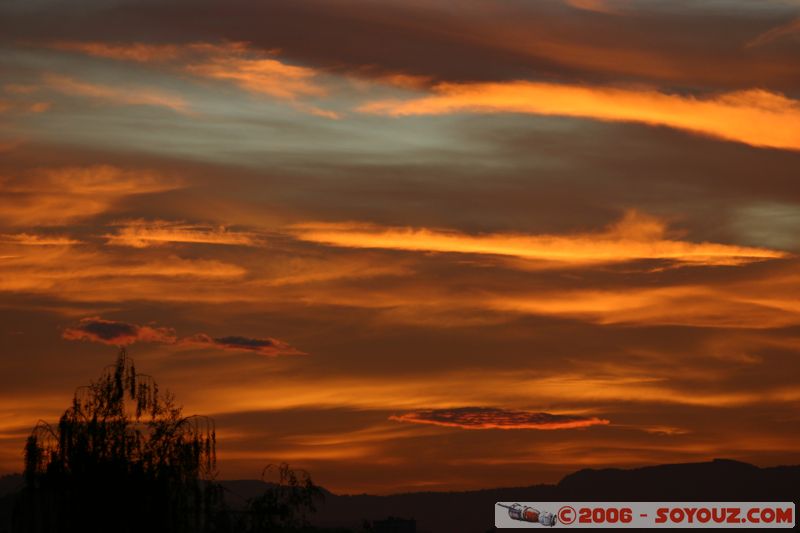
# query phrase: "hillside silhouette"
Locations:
[[473, 511]]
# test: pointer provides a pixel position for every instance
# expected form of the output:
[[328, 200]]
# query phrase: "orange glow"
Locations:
[[634, 237], [284, 454], [756, 117]]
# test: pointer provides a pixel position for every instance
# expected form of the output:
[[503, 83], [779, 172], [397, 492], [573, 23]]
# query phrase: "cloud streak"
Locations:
[[137, 52], [31, 239], [255, 71], [69, 271], [492, 418], [116, 95], [635, 237], [264, 75], [143, 234], [56, 196], [791, 28], [755, 117]]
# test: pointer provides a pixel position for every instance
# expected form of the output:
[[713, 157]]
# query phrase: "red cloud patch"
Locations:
[[491, 418]]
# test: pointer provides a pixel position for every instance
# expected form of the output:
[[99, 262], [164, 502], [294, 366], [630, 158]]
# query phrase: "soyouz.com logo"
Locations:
[[524, 515]]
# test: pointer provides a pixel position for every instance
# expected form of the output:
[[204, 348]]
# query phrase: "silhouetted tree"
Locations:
[[285, 505], [122, 458]]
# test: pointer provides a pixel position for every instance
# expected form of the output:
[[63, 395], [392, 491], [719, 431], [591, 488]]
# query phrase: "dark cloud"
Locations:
[[266, 346], [492, 418], [95, 329], [479, 41]]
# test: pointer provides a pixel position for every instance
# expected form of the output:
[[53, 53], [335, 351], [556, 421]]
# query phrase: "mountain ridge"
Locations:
[[472, 511]]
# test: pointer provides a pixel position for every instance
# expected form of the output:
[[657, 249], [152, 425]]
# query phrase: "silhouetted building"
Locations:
[[394, 525]]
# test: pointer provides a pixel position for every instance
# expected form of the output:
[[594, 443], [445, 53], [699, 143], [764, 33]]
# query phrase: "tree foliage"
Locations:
[[285, 505], [124, 458]]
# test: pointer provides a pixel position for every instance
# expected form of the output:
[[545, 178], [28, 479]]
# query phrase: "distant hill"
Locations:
[[473, 511], [721, 479]]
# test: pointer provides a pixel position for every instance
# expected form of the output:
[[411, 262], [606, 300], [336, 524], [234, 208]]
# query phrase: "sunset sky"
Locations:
[[410, 244]]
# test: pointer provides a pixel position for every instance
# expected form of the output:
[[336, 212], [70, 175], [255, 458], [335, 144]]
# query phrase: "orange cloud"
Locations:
[[60, 195], [634, 237], [258, 74], [755, 117], [29, 239], [115, 95], [308, 270], [491, 418], [725, 305], [85, 274], [267, 76], [253, 70], [301, 276], [142, 234], [139, 52], [82, 274], [697, 306]]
